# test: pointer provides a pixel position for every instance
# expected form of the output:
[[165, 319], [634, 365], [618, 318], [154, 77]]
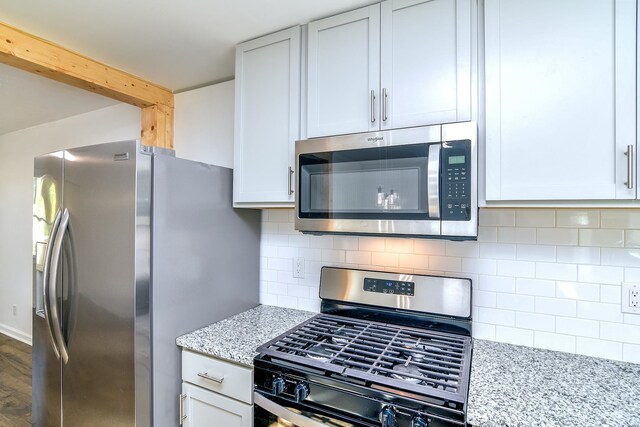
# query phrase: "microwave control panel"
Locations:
[[455, 186]]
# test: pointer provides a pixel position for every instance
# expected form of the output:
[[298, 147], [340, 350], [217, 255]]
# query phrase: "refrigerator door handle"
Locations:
[[53, 283], [46, 281]]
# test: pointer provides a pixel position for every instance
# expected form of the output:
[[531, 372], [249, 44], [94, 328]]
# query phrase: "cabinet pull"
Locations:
[[206, 376], [373, 106], [384, 104], [629, 154], [181, 413], [289, 185]]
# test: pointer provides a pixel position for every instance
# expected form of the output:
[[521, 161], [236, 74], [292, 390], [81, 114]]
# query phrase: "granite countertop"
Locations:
[[510, 385], [235, 339], [522, 386]]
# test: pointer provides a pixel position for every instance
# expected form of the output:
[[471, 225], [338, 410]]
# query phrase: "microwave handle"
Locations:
[[433, 182], [282, 412]]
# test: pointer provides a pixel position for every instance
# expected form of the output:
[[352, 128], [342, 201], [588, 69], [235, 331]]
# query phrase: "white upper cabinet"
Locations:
[[560, 99], [399, 63], [425, 62], [343, 74], [267, 121]]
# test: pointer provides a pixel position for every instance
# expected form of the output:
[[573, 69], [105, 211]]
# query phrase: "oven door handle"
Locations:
[[282, 412], [433, 182]]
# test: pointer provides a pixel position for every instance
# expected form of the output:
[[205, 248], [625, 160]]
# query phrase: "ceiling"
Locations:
[[28, 100], [176, 44]]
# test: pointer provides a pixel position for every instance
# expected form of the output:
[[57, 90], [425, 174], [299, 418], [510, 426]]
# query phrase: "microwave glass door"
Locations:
[[380, 183]]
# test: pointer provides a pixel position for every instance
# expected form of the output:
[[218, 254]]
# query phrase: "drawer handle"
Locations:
[[206, 376]]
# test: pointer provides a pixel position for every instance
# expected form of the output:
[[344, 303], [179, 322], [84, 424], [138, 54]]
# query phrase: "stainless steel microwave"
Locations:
[[418, 182]]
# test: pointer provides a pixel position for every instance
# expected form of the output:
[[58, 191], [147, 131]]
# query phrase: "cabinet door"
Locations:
[[266, 117], [560, 98], [425, 62], [204, 408], [343, 73]]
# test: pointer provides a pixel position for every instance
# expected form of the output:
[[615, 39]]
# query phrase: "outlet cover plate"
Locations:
[[631, 298], [298, 267]]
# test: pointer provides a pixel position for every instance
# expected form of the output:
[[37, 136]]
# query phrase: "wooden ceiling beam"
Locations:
[[33, 54]]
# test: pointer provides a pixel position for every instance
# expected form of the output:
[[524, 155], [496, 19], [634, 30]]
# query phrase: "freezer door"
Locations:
[[46, 362], [98, 382]]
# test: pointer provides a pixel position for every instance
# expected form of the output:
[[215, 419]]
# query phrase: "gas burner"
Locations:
[[402, 371], [320, 353], [340, 337], [417, 350]]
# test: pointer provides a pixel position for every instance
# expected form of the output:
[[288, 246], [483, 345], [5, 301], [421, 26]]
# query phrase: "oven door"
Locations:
[[272, 413], [374, 183]]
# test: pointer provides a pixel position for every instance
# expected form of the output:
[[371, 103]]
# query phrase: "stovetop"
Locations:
[[399, 358]]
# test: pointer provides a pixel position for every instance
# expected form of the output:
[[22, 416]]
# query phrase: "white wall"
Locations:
[[204, 124], [17, 150], [542, 277]]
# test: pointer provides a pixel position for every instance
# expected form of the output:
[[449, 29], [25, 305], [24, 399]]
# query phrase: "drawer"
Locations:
[[214, 374]]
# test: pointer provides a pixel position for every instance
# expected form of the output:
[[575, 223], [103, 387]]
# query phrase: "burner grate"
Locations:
[[426, 362]]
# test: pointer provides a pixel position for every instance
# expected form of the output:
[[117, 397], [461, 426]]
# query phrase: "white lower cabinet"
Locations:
[[205, 408], [215, 393]]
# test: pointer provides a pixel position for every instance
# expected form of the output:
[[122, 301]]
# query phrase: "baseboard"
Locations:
[[15, 334]]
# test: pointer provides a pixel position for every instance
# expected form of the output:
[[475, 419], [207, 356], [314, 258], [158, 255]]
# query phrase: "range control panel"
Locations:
[[456, 181], [395, 287]]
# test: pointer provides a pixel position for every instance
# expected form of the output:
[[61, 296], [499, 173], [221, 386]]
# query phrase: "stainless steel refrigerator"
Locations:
[[132, 248]]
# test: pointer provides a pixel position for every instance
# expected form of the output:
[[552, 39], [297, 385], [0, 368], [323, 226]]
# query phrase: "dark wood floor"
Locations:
[[15, 383]]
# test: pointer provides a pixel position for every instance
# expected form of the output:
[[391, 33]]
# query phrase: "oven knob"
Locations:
[[301, 392], [277, 386], [388, 417], [419, 421]]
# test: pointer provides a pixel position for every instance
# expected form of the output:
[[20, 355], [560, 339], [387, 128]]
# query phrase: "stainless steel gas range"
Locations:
[[387, 349]]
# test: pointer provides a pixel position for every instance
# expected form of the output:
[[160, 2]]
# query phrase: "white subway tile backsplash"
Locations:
[[515, 302], [498, 250], [599, 311], [577, 327], [556, 342], [516, 268], [514, 336], [556, 271], [600, 274], [535, 287], [578, 255], [601, 238], [516, 235], [536, 322], [631, 353], [536, 253], [623, 257], [557, 236], [578, 291], [496, 316], [497, 217], [462, 249], [620, 218], [555, 306], [484, 299], [621, 333], [497, 284], [599, 348], [536, 218], [541, 277], [578, 218]]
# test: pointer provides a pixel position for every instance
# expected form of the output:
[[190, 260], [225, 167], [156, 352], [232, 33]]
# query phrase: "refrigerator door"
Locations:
[[98, 382], [46, 362]]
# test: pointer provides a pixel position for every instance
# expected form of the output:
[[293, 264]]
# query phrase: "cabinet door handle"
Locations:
[[289, 185], [373, 106], [385, 96], [206, 376], [181, 413], [629, 154]]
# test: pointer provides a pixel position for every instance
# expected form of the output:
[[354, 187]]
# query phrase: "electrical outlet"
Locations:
[[298, 268], [631, 298], [15, 310]]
